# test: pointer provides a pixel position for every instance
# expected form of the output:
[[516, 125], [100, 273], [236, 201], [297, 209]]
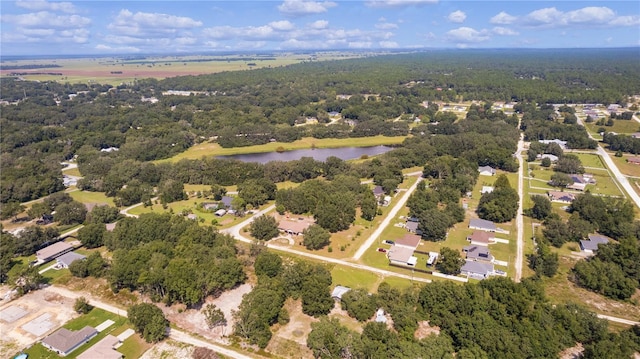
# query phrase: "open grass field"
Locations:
[[91, 197], [619, 126], [625, 167], [213, 149], [116, 71]]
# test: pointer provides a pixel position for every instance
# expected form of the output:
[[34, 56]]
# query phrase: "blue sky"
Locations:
[[41, 27]]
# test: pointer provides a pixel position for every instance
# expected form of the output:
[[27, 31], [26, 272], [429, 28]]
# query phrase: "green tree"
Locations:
[[501, 205], [336, 211], [264, 228], [69, 213], [368, 206], [569, 164], [315, 237], [38, 210], [541, 207], [560, 179], [213, 316], [544, 262], [268, 263], [449, 261], [546, 162], [171, 191], [103, 214], [328, 339], [25, 279], [82, 306], [92, 235], [359, 304], [149, 321], [10, 209]]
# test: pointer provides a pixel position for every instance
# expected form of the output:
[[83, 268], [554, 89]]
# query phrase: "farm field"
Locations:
[[119, 70]]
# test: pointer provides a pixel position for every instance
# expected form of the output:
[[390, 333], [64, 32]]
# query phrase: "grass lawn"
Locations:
[[72, 172], [213, 149], [619, 126], [590, 160], [625, 167], [91, 197], [354, 278]]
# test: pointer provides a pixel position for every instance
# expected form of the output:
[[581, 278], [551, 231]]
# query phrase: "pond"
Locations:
[[318, 154]]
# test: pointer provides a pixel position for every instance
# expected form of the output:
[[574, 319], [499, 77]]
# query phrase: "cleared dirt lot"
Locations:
[[37, 312]]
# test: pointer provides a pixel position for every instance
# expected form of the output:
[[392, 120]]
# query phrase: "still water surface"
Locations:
[[319, 154]]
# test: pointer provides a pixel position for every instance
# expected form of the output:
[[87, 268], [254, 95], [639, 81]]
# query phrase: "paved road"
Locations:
[[390, 216], [236, 231], [632, 194], [174, 334], [618, 320], [519, 216]]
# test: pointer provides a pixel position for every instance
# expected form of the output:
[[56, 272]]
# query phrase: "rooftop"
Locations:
[[409, 240], [65, 340], [68, 258], [54, 250]]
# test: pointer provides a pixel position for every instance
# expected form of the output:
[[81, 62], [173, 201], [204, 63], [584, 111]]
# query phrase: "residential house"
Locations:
[[580, 182], [486, 171], [209, 206], [482, 224], [552, 158], [562, 144], [481, 238], [63, 341], [66, 259], [226, 202], [378, 192], [401, 256], [380, 317], [634, 160], [486, 189], [104, 349], [339, 291], [477, 270], [53, 251], [411, 227], [410, 241], [386, 200], [564, 197], [293, 227], [221, 212], [433, 257], [478, 253], [590, 246]]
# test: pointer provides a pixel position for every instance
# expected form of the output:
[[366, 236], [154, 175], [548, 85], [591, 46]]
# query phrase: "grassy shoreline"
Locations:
[[214, 149]]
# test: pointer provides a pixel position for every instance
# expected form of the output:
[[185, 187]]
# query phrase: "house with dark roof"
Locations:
[[53, 251], [478, 253], [486, 171], [378, 192], [477, 270], [482, 225], [63, 341], [226, 201], [481, 238], [411, 227], [401, 256], [66, 259], [564, 197], [590, 246]]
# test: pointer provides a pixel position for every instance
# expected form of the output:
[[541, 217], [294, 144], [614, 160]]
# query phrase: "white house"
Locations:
[[486, 171], [401, 256], [477, 270], [482, 224]]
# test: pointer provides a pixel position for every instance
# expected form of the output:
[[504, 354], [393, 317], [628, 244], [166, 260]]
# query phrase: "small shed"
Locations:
[[339, 291]]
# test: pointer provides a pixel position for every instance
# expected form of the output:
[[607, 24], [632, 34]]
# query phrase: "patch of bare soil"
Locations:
[[169, 349], [193, 321], [290, 340], [574, 352], [424, 330], [344, 318], [13, 337]]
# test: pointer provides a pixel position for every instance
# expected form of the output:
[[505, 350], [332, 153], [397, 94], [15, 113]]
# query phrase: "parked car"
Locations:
[[389, 242], [382, 250]]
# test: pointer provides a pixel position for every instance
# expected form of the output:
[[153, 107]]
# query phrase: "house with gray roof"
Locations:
[[477, 270], [66, 259], [478, 253], [401, 256], [590, 246], [53, 251], [411, 227], [482, 224], [104, 349], [339, 291], [486, 171], [63, 341]]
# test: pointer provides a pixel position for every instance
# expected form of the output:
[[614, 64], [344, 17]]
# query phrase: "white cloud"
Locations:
[[319, 24], [399, 3], [626, 21], [42, 5], [117, 49], [388, 44], [282, 25], [457, 16], [467, 35], [546, 16], [144, 23], [503, 31], [590, 14], [45, 19], [304, 7], [503, 19], [386, 26], [360, 45]]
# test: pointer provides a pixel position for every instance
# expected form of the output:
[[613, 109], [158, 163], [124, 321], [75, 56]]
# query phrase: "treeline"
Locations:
[[495, 318], [622, 143]]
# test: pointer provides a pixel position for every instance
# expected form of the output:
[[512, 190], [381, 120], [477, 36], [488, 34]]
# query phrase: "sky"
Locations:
[[88, 27]]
